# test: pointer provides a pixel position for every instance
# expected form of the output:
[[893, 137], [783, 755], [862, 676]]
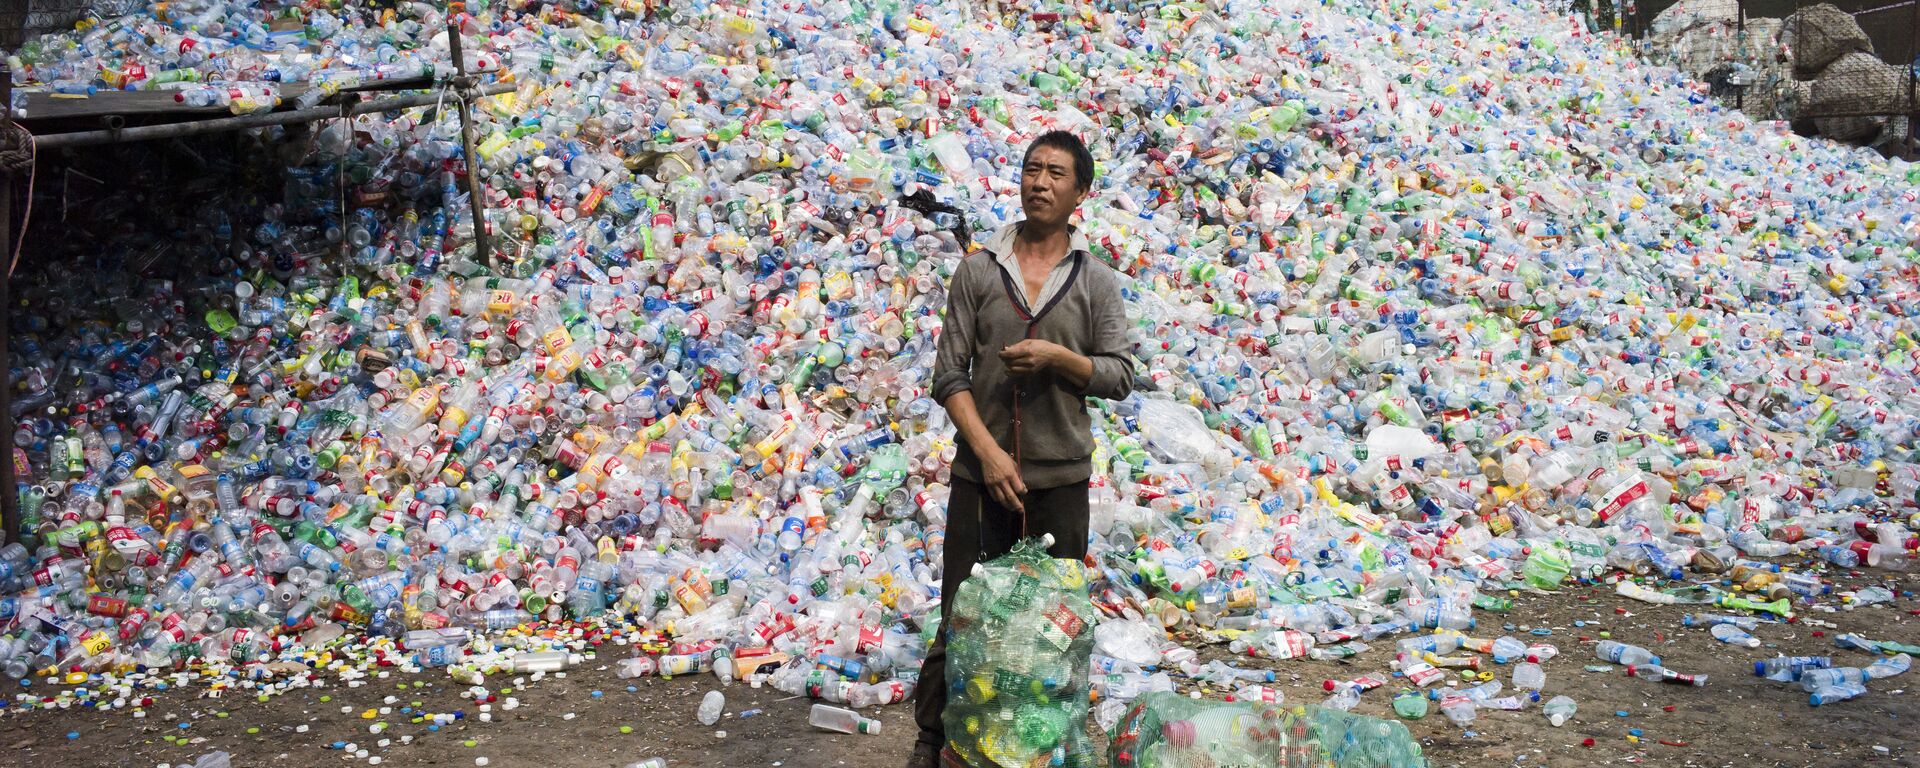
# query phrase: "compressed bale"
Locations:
[[1852, 98], [1820, 35]]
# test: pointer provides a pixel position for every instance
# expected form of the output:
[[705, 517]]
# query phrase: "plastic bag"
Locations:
[[1020, 639], [1169, 730]]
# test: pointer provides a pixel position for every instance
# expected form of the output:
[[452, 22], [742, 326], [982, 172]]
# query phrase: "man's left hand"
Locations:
[[1031, 356]]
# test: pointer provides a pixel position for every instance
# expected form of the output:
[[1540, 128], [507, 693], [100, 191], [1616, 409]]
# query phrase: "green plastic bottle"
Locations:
[[1410, 704]]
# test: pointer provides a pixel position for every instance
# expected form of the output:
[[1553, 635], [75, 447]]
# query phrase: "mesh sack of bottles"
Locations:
[[1018, 647], [1167, 730]]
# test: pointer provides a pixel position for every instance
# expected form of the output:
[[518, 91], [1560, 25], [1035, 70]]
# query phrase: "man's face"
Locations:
[[1048, 191]]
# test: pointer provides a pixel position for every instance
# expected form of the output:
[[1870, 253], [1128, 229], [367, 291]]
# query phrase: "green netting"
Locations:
[[1019, 641], [1168, 730]]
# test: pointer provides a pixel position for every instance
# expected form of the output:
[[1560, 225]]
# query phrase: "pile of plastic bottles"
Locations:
[[1828, 684], [1432, 298]]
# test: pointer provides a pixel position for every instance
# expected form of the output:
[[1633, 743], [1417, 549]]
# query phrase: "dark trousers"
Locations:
[[979, 529]]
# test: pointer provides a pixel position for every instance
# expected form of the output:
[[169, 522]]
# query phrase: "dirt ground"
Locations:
[[1736, 720]]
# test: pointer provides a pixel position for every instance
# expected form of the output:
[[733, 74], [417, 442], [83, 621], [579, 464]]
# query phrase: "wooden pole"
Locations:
[[9, 484], [464, 85]]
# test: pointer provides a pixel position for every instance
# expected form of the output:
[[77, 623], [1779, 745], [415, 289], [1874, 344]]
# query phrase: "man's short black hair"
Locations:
[[1072, 145]]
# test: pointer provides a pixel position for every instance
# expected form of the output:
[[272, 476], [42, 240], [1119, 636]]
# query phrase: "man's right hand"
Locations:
[[1002, 477]]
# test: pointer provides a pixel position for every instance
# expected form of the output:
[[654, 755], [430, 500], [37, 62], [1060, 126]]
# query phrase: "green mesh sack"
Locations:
[[1168, 730], [1019, 640]]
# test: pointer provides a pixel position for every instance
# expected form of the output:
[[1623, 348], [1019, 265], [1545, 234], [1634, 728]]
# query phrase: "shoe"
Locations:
[[925, 755]]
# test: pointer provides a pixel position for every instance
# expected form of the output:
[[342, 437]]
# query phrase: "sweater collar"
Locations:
[[1001, 243]]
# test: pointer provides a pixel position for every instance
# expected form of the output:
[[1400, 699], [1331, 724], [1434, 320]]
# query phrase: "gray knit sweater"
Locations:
[[986, 312]]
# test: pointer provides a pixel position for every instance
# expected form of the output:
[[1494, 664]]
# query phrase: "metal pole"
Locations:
[[9, 484], [464, 84], [1913, 92], [172, 130]]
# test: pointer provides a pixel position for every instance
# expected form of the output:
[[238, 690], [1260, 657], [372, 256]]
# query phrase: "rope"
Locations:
[[17, 149], [33, 171]]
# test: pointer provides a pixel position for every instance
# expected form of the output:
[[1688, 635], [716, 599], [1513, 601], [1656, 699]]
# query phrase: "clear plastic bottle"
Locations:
[[711, 705], [1661, 674], [1528, 676], [1733, 635], [1559, 710], [1835, 692], [839, 720], [1343, 697], [1622, 653]]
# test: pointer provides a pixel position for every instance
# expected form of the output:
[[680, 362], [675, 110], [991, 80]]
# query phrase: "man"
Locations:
[[1034, 326]]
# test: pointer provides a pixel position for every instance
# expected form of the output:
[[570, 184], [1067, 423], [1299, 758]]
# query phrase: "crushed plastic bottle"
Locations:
[[1559, 710], [1733, 635], [1460, 710], [1788, 669], [841, 720], [1660, 674], [1622, 653], [1528, 676], [1836, 692], [711, 706], [1410, 704]]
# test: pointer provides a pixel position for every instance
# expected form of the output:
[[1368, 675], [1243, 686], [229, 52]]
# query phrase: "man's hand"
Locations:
[[1032, 356], [1002, 476]]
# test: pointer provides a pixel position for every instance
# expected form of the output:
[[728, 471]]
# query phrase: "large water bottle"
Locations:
[[1834, 692], [1622, 653]]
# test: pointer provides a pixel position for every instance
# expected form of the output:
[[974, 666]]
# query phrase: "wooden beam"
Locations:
[[465, 86], [172, 130]]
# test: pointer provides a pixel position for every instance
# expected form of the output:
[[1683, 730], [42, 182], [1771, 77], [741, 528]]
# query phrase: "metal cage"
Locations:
[[1844, 69], [22, 20]]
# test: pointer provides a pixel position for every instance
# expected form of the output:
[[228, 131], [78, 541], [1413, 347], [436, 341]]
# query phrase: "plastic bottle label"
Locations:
[[1061, 627], [1424, 674], [557, 341], [1626, 493], [1288, 645]]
